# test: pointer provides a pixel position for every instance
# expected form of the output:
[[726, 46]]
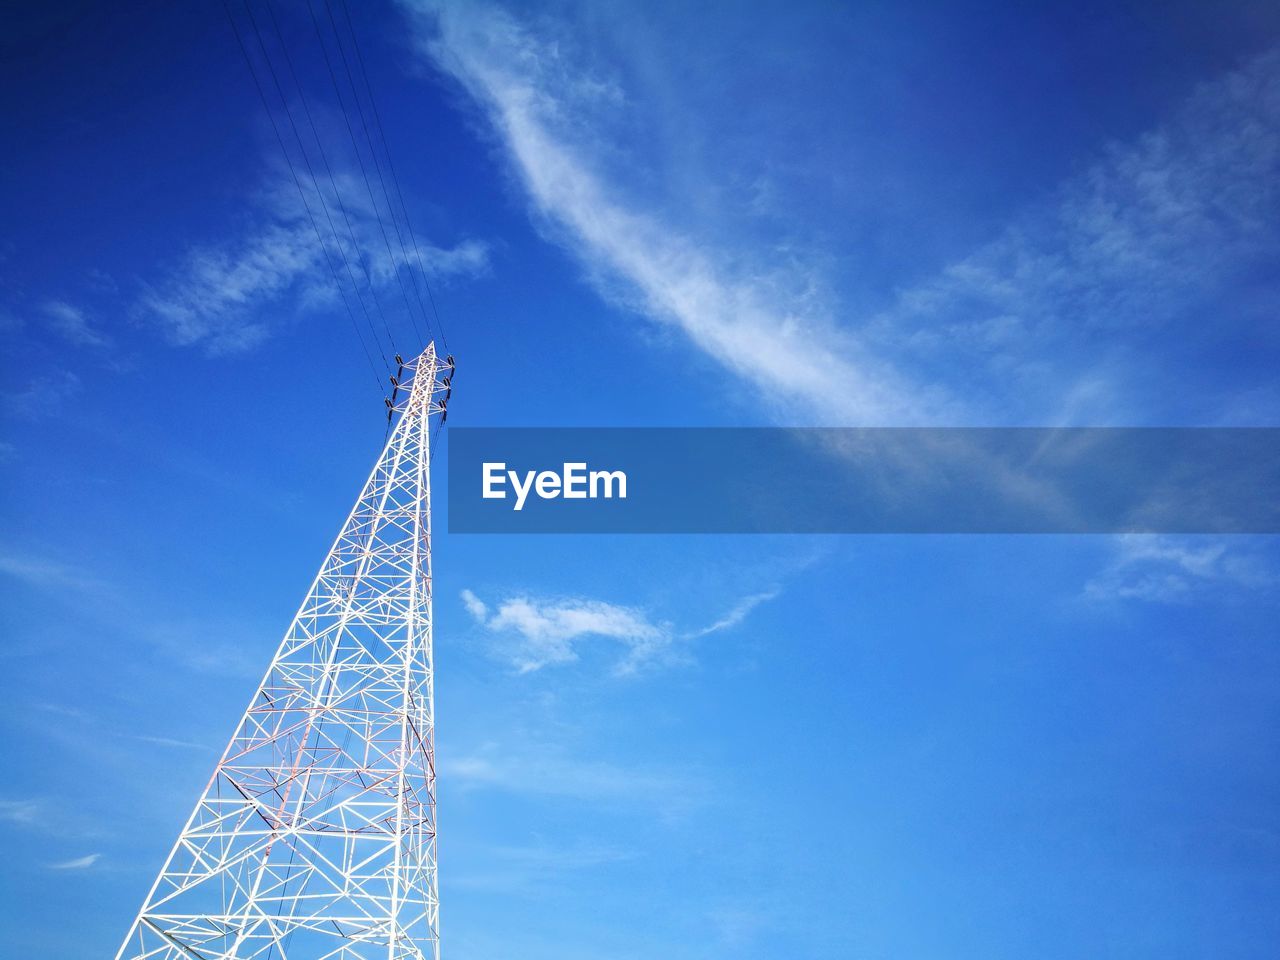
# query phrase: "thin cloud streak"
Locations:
[[72, 324], [20, 811], [741, 610], [795, 355], [80, 863], [175, 743]]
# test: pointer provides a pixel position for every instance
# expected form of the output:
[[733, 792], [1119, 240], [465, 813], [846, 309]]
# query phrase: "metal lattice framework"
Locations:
[[316, 836]]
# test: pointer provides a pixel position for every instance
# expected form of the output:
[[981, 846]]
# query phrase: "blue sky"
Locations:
[[644, 214]]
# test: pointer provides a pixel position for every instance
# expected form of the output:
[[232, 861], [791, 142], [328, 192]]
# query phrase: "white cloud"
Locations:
[[1151, 229], [217, 294], [468, 258], [80, 863], [548, 631], [475, 606], [1167, 569], [754, 323], [72, 324], [212, 297], [737, 614], [20, 811]]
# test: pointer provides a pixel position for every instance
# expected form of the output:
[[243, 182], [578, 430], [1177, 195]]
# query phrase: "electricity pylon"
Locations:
[[316, 836]]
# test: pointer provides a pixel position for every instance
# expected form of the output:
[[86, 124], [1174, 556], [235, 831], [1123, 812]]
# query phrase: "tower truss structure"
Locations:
[[315, 838]]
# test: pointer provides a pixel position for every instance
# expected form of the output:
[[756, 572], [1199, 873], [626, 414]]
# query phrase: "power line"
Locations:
[[244, 50], [364, 173], [315, 132], [315, 183], [373, 151], [395, 180]]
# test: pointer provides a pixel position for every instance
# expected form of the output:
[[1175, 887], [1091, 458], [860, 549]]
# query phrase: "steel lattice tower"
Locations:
[[316, 836]]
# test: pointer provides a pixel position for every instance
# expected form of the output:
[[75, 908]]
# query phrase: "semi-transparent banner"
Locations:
[[876, 480]]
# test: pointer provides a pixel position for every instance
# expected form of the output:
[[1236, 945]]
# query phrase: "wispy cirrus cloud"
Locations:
[[757, 324], [534, 633], [1150, 230], [219, 295], [739, 612], [1120, 257], [72, 324], [1169, 569], [79, 863], [20, 811], [214, 295]]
